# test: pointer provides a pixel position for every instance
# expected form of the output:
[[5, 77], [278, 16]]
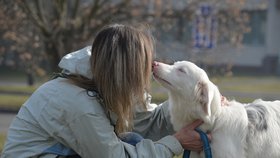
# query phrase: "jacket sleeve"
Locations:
[[153, 123], [96, 138]]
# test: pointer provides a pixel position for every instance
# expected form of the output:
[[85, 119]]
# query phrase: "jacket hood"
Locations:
[[77, 62]]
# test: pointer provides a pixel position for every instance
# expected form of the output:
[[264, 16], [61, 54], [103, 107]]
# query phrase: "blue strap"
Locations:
[[206, 145], [59, 149], [186, 154], [131, 138]]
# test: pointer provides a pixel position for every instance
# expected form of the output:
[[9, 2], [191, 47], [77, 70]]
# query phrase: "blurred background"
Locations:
[[236, 42]]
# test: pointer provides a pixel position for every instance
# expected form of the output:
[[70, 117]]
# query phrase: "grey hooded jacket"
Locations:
[[63, 119]]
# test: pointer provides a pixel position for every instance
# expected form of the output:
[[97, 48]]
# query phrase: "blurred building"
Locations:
[[272, 58], [259, 52]]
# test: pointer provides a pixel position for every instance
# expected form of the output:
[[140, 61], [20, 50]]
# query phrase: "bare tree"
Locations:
[[42, 29], [67, 24], [18, 43]]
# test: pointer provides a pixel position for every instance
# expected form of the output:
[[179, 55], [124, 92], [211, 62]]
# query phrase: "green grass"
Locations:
[[12, 101], [159, 97], [19, 89], [13, 96], [252, 88], [178, 156], [242, 84], [248, 84], [2, 141]]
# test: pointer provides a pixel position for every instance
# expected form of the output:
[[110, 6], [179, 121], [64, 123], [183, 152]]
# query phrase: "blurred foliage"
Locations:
[[35, 34]]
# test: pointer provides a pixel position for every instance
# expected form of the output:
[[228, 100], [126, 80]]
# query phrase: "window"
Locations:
[[258, 26]]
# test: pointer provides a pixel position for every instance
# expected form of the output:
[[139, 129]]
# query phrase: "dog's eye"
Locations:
[[181, 70]]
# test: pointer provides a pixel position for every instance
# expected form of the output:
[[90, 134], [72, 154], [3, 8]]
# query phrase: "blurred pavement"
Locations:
[[5, 121]]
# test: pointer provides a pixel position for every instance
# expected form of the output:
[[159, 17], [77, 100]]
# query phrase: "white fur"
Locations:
[[193, 96]]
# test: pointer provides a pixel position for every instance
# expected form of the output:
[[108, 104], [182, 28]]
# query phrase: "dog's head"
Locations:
[[186, 81]]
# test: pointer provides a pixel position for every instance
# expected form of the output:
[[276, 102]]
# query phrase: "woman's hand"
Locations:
[[189, 138]]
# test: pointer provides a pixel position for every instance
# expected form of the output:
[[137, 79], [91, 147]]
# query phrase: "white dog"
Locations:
[[238, 130]]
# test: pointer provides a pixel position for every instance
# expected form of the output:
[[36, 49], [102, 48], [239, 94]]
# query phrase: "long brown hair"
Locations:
[[121, 66]]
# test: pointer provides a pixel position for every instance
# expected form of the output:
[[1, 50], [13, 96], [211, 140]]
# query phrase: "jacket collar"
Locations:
[[77, 62]]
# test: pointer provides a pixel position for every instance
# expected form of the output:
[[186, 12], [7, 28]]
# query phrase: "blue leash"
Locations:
[[133, 138], [206, 146]]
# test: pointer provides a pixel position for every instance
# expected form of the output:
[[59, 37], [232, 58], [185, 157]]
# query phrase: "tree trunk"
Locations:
[[30, 78], [53, 55], [28, 67]]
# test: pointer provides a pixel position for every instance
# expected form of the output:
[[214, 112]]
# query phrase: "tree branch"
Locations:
[[36, 20], [76, 7]]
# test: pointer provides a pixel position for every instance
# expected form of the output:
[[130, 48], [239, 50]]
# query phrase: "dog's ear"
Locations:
[[203, 96]]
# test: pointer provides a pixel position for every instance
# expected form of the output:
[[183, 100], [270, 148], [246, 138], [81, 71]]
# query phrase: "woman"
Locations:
[[98, 97]]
